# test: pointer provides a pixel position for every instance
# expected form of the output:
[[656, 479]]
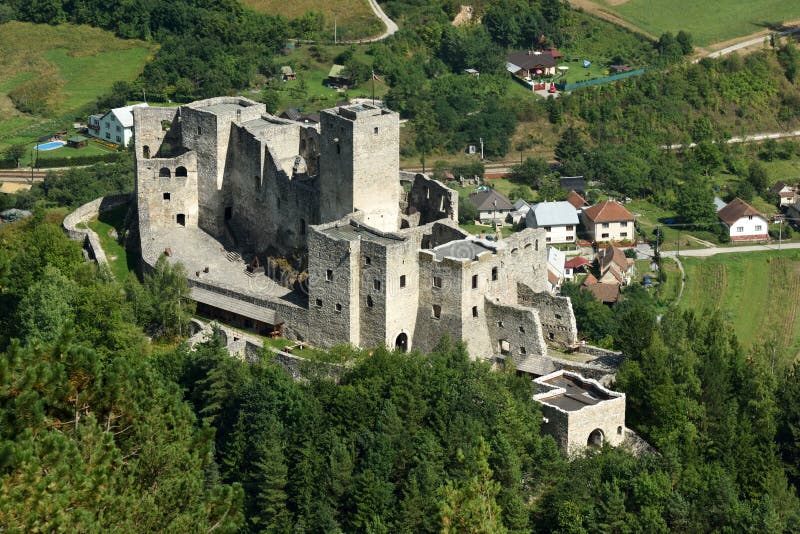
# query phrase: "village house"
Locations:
[[558, 219], [115, 126], [608, 221], [575, 265], [787, 194], [493, 207], [577, 201], [555, 269], [287, 73], [608, 294], [615, 267], [521, 209], [338, 77], [744, 222], [530, 64]]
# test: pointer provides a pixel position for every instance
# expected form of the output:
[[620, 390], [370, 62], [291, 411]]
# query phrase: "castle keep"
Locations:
[[312, 231]]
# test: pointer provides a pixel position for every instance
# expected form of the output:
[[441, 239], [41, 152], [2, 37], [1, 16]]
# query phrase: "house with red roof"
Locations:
[[744, 222], [575, 265], [608, 221], [577, 201]]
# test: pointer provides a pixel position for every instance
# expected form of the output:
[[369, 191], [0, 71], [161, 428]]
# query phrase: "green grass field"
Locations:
[[354, 18], [104, 226], [710, 21], [759, 293], [80, 62]]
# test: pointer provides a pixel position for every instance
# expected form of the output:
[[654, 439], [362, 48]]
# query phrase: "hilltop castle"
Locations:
[[312, 231]]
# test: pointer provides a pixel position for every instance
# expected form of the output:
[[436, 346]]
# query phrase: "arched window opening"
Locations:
[[401, 343], [180, 172], [164, 172]]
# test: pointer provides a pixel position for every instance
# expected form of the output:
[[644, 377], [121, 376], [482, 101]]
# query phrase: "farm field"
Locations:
[[354, 18], [76, 64], [759, 293], [708, 22]]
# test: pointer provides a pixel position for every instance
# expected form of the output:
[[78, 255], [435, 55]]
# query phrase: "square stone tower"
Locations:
[[359, 165]]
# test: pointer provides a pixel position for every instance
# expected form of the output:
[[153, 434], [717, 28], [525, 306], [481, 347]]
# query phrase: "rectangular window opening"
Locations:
[[474, 281], [437, 311], [402, 280], [329, 275], [474, 311], [437, 281]]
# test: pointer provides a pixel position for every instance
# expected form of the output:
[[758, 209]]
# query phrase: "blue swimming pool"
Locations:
[[51, 145]]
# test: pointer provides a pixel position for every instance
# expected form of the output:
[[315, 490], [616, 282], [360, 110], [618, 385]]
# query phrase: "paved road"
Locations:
[[706, 252], [744, 44]]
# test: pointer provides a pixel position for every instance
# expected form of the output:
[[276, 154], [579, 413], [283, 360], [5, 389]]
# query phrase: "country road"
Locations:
[[391, 26], [706, 252], [744, 44]]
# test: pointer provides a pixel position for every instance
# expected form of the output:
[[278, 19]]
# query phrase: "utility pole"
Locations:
[[780, 232], [335, 12], [481, 139]]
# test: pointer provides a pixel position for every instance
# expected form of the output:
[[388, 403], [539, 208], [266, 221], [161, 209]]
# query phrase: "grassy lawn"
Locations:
[[354, 18], [80, 63], [476, 229], [758, 292], [708, 22], [105, 225], [649, 216]]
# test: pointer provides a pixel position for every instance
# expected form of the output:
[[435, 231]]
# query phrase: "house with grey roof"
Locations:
[[493, 207], [559, 220]]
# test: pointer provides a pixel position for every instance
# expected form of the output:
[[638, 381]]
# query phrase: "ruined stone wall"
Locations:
[[208, 133], [519, 327], [334, 304], [558, 319], [528, 257], [87, 237], [429, 329], [432, 200]]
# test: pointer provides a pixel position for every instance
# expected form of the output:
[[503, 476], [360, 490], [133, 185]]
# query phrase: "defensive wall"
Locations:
[[87, 237]]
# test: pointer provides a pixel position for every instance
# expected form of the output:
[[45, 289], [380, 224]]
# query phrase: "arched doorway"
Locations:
[[595, 438], [401, 343]]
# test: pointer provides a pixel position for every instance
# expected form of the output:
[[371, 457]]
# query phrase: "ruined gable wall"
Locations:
[[432, 199], [154, 210], [608, 416], [519, 327], [528, 256], [558, 319]]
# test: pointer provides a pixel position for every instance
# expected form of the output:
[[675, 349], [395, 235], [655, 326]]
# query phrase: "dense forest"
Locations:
[[103, 429]]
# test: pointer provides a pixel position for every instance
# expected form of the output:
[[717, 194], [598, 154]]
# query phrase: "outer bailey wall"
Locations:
[[433, 200], [558, 319], [87, 237]]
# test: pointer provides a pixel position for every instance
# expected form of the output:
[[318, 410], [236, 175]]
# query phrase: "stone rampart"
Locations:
[[87, 237]]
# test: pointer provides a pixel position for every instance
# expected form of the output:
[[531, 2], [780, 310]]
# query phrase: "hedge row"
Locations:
[[78, 160]]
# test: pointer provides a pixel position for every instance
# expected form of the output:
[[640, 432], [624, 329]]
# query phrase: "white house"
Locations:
[[608, 221], [115, 126], [559, 219], [786, 193], [555, 269], [744, 222]]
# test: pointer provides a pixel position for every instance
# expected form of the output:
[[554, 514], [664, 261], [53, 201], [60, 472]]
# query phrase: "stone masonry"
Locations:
[[222, 185]]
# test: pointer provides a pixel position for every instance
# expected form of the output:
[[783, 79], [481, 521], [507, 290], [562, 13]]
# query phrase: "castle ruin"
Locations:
[[314, 233]]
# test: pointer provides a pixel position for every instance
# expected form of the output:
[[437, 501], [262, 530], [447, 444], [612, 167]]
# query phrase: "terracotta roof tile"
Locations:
[[608, 211], [735, 210], [576, 200], [606, 293]]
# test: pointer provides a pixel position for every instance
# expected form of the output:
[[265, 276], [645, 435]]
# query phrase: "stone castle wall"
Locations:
[[432, 200], [85, 213], [557, 317]]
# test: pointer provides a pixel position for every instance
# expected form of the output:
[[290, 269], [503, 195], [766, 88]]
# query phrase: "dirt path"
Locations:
[[599, 11], [391, 26]]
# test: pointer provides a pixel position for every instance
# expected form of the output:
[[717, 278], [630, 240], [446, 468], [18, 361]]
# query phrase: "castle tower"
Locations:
[[359, 165]]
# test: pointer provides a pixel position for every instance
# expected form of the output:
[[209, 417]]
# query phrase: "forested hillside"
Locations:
[[103, 429]]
